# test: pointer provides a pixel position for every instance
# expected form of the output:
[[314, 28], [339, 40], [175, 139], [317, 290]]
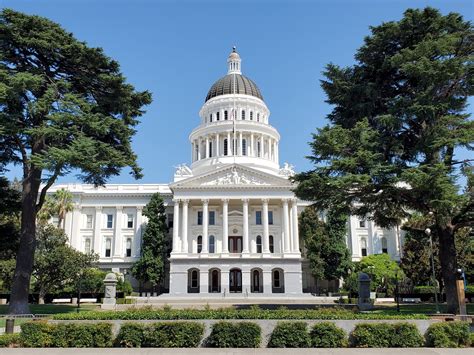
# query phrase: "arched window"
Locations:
[[276, 279], [384, 245], [272, 245], [212, 244], [259, 244], [210, 117], [363, 246], [199, 244], [226, 115], [210, 149], [87, 246], [194, 279], [259, 149], [128, 247], [251, 115], [258, 117], [108, 247], [244, 147], [243, 114], [226, 147], [217, 116]]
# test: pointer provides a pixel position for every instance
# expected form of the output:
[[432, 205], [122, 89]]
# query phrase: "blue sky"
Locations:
[[177, 49]]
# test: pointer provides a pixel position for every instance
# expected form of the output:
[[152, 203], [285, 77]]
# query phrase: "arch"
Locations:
[[278, 281], [272, 244], [214, 280], [384, 245], [256, 280], [226, 147], [258, 242], [244, 147], [363, 247], [212, 244], [235, 280], [193, 280], [199, 244]]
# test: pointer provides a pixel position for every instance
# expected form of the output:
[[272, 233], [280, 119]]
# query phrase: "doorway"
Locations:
[[235, 244], [235, 280]]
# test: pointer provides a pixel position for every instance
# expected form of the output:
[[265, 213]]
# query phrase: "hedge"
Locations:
[[328, 335], [9, 340], [232, 313], [290, 335], [386, 335], [43, 335], [448, 335], [234, 335]]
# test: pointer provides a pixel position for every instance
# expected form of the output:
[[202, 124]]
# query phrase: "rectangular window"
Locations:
[[210, 117], [110, 221], [364, 251], [108, 247], [87, 246], [89, 221], [170, 220], [226, 115], [362, 223], [128, 247], [129, 220], [199, 221], [212, 218], [217, 116], [258, 217], [270, 217]]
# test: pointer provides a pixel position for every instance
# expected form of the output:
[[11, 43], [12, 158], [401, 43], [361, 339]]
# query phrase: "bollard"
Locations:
[[10, 326]]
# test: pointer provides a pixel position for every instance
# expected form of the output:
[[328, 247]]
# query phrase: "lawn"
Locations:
[[422, 308]]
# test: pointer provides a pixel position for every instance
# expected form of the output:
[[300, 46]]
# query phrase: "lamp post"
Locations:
[[428, 233]]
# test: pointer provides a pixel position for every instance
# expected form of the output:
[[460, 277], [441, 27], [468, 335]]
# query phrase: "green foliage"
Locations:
[[9, 219], [325, 243], [9, 340], [424, 290], [150, 266], [290, 335], [56, 205], [43, 335], [234, 335], [7, 268], [131, 335], [382, 270], [386, 335], [327, 335], [448, 335]]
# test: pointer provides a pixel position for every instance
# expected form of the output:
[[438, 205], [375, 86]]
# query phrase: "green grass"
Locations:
[[422, 308]]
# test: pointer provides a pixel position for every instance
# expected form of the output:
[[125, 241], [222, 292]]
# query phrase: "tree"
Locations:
[[397, 121], [150, 266], [382, 270], [56, 263], [325, 243], [58, 204], [63, 106]]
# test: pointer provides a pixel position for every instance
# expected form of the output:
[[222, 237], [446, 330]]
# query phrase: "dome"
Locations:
[[226, 85]]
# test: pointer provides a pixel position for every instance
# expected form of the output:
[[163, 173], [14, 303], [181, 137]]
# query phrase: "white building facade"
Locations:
[[232, 214]]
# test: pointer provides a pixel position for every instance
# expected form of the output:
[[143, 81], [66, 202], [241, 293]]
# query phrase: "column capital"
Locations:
[[139, 208], [225, 200], [176, 200], [205, 201], [265, 201], [119, 208], [294, 200], [98, 208], [185, 201], [285, 200], [245, 200]]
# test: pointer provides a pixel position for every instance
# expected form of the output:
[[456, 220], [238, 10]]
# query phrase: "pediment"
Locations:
[[233, 176]]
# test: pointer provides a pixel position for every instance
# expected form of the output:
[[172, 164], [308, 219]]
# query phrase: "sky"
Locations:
[[178, 49]]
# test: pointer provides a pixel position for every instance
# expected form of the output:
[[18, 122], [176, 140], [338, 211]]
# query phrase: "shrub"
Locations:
[[9, 340], [385, 335], [174, 335], [235, 335], [448, 335], [406, 335], [131, 335], [289, 335], [36, 334], [328, 335], [424, 289]]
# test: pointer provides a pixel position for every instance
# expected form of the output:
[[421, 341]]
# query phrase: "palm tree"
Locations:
[[58, 204]]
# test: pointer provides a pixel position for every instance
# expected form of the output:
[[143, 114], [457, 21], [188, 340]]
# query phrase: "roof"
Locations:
[[228, 85]]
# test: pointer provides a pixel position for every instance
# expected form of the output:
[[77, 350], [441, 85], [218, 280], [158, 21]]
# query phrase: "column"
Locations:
[[225, 281], [277, 156], [118, 231], [266, 241], [267, 281], [229, 144], [192, 151], [203, 280], [245, 246], [97, 230], [274, 150], [206, 151], [240, 142], [184, 228], [262, 147], [205, 223], [138, 232], [225, 226], [199, 149], [252, 146], [286, 226], [74, 241], [294, 214], [217, 145], [246, 281], [176, 227]]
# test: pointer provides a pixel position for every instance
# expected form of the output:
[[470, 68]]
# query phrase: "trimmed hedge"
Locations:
[[290, 335], [160, 335], [235, 335], [44, 335], [232, 313], [328, 335], [386, 335], [9, 340], [448, 335]]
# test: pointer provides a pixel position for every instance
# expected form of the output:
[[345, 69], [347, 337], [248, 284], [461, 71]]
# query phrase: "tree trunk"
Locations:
[[26, 249], [448, 260]]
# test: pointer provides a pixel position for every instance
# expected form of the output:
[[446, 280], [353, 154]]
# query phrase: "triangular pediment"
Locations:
[[233, 176]]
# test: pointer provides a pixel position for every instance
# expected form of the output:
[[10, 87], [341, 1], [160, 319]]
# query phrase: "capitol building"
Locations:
[[232, 214]]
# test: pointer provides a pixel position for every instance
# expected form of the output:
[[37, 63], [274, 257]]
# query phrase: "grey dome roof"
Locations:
[[225, 86]]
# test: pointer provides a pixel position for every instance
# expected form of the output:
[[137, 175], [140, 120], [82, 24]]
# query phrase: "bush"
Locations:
[[174, 335], [9, 340], [385, 335], [44, 335], [235, 335], [290, 335], [327, 335], [424, 290], [131, 335], [448, 335]]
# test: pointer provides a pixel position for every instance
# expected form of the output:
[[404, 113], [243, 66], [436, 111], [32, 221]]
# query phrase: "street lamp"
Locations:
[[428, 233]]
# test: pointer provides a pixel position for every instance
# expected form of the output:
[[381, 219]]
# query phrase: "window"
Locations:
[[384, 246], [258, 117], [217, 116], [259, 149], [270, 217], [251, 115], [210, 149], [194, 279], [212, 218], [243, 114], [199, 221], [170, 220], [129, 220], [108, 246], [212, 244], [362, 223], [226, 115], [276, 279], [226, 147], [199, 244], [89, 221], [110, 221], [272, 245], [210, 117], [258, 217], [128, 247], [87, 246], [244, 147], [363, 247], [259, 244]]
